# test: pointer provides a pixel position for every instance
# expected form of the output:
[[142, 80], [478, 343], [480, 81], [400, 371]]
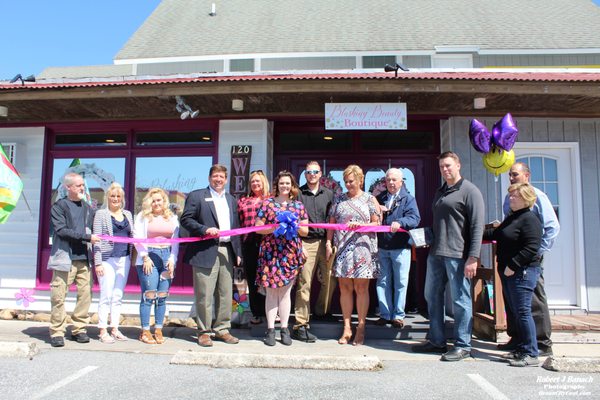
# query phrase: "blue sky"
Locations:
[[49, 33]]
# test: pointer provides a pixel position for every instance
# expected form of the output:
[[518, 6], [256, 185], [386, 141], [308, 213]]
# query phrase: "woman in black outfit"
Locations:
[[518, 239]]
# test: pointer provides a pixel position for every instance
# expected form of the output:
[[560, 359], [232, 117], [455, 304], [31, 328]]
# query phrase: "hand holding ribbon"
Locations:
[[288, 225]]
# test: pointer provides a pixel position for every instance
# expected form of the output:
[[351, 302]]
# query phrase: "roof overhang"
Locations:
[[442, 93]]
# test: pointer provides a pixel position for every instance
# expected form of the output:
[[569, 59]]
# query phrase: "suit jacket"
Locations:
[[199, 215]]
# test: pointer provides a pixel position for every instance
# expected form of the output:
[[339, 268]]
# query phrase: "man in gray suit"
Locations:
[[206, 213]]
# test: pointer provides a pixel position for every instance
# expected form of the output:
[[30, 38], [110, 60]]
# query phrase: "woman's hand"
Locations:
[[328, 250], [508, 272], [148, 265], [171, 268], [353, 224], [100, 270]]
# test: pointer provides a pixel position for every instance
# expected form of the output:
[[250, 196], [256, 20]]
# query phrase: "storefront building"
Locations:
[[121, 123]]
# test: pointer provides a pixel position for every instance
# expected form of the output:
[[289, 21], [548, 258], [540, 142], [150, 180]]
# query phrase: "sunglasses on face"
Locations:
[[312, 172]]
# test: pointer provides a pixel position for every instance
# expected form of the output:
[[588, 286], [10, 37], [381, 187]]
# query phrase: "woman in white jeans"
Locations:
[[112, 261]]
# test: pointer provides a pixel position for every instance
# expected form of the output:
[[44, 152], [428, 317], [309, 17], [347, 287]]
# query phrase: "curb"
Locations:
[[245, 360], [18, 349], [572, 364]]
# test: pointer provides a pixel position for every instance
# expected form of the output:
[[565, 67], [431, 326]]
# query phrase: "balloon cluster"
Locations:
[[497, 145], [288, 225]]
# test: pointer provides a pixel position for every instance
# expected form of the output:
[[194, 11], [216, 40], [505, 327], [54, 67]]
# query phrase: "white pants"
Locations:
[[112, 283]]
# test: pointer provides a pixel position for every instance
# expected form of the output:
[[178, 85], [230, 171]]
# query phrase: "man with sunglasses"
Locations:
[[317, 201]]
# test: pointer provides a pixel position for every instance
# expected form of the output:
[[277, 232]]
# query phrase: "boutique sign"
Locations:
[[372, 116]]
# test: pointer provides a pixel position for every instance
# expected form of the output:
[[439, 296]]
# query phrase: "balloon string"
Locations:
[[496, 197]]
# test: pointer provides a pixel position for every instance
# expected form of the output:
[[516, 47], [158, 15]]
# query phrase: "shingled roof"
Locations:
[[184, 28]]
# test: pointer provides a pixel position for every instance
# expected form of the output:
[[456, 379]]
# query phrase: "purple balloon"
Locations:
[[504, 133], [480, 136]]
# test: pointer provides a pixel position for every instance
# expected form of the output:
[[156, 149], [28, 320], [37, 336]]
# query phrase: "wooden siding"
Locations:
[[586, 132]]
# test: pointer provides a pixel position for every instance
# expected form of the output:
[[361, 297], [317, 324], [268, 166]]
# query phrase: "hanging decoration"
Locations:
[[497, 145]]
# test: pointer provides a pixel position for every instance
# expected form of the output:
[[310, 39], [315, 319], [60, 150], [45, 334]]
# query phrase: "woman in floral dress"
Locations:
[[356, 259], [279, 258]]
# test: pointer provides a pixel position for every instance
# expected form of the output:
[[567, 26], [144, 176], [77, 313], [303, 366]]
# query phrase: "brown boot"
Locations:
[[146, 337], [158, 335]]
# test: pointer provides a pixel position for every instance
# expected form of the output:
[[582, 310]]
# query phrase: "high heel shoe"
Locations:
[[359, 339], [346, 335]]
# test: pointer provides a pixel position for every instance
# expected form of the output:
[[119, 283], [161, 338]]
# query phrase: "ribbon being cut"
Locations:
[[287, 226]]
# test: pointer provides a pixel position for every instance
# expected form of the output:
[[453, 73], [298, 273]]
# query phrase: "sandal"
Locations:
[[256, 320], [359, 339], [346, 336], [106, 338], [146, 337], [158, 336], [117, 335]]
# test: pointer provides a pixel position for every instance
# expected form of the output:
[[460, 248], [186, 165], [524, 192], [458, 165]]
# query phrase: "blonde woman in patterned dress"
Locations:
[[356, 259]]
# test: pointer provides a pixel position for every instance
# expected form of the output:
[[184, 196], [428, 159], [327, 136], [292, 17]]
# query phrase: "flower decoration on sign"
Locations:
[[331, 184], [288, 225], [24, 297], [240, 303], [378, 186], [497, 145]]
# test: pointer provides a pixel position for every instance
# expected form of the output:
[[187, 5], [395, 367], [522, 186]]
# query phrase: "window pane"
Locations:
[[409, 180], [536, 168], [160, 138], [106, 139], [375, 181], [98, 174], [178, 176], [550, 170], [552, 192], [337, 175], [378, 61]]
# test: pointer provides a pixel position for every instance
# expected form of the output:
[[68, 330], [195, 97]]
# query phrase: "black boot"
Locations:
[[285, 337], [270, 337]]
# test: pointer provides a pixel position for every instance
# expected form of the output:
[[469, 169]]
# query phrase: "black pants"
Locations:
[[250, 248], [540, 314]]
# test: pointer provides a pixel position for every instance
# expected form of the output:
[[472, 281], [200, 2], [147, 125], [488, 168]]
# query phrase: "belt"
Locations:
[[223, 244]]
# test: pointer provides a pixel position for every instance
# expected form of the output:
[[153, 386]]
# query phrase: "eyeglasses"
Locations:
[[312, 172], [257, 171]]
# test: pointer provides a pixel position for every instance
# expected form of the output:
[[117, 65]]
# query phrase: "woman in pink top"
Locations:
[[155, 263]]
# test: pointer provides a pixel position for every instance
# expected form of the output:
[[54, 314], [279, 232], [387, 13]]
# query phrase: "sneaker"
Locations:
[[524, 361], [57, 341], [285, 337], [456, 354], [427, 347], [513, 355], [302, 333], [270, 337], [81, 337], [546, 352]]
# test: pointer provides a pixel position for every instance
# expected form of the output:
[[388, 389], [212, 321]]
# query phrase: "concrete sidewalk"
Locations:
[[19, 335]]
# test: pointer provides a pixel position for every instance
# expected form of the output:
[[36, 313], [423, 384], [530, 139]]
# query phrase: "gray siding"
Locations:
[[534, 60], [585, 132]]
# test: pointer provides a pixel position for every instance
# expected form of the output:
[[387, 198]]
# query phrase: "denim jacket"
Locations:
[[404, 210]]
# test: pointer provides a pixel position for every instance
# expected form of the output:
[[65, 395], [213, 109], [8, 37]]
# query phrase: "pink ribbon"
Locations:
[[244, 231]]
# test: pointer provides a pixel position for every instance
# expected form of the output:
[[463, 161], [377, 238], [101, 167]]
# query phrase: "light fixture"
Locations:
[[3, 111], [185, 110], [237, 105], [19, 77], [327, 137], [479, 103], [395, 68]]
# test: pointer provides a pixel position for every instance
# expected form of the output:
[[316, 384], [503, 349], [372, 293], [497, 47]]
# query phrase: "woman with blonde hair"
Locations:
[[356, 260], [248, 206], [112, 260], [155, 263]]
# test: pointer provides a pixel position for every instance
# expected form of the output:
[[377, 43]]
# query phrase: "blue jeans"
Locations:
[[440, 271], [519, 290], [392, 282], [156, 285]]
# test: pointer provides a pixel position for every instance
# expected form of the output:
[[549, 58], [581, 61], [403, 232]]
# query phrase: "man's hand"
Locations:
[[508, 272], [471, 267], [212, 231], [100, 270], [395, 226], [94, 239]]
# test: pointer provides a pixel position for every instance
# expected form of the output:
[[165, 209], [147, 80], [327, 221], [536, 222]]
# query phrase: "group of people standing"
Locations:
[[275, 263]]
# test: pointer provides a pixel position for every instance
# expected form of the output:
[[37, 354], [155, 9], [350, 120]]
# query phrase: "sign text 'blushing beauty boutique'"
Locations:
[[373, 116]]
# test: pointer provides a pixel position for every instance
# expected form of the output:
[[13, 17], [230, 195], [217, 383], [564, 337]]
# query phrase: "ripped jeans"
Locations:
[[155, 289]]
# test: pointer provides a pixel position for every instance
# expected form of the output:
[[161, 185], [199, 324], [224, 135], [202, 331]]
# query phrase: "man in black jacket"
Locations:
[[71, 260]]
